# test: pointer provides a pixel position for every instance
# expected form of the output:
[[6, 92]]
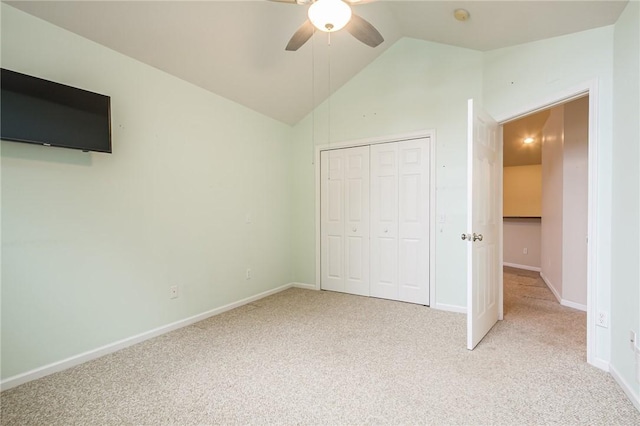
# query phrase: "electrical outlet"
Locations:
[[173, 292], [248, 274], [633, 342], [525, 251], [602, 319]]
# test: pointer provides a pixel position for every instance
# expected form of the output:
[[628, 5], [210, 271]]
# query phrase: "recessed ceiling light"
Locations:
[[461, 14], [528, 140]]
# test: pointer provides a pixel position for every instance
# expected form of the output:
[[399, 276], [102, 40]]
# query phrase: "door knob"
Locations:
[[386, 230], [355, 229], [466, 237], [477, 237]]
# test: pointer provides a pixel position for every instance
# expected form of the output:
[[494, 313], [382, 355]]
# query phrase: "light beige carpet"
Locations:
[[306, 357]]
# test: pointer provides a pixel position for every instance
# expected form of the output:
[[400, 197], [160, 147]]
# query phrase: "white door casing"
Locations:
[[484, 211], [598, 339]]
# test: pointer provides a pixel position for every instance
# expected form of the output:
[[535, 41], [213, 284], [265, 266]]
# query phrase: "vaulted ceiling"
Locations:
[[236, 48]]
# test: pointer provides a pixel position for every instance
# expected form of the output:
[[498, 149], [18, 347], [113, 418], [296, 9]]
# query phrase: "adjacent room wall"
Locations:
[[575, 159], [552, 205], [522, 209], [564, 202], [522, 191], [521, 234], [625, 246], [92, 242], [414, 85]]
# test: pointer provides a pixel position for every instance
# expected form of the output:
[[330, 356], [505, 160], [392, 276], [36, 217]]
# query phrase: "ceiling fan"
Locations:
[[330, 16]]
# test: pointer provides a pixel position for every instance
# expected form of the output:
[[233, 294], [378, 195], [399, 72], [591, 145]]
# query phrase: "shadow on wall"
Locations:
[[33, 152]]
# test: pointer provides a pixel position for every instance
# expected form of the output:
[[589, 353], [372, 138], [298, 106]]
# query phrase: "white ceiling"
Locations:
[[236, 48]]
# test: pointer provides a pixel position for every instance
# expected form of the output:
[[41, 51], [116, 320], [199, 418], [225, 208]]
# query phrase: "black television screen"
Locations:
[[42, 112]]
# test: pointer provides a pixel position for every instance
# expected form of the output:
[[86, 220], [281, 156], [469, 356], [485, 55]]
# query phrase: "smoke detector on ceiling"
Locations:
[[461, 14]]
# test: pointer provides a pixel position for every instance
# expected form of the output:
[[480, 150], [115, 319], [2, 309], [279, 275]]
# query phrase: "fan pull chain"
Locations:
[[313, 100], [329, 98]]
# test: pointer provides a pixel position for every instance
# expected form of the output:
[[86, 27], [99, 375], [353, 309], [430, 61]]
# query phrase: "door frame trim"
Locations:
[[420, 134], [595, 290]]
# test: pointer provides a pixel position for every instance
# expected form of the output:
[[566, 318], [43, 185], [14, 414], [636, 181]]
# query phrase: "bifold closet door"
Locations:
[[400, 221], [344, 220], [384, 221]]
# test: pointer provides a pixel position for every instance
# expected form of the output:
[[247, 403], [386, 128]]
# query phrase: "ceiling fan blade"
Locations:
[[361, 29], [301, 36]]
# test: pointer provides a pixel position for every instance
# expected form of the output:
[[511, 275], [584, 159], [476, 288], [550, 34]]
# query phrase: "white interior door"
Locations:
[[344, 223], [484, 249]]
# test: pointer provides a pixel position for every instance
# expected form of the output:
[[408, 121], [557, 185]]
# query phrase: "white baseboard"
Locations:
[[562, 301], [551, 287], [525, 267], [305, 286], [72, 361], [449, 308], [573, 305], [600, 363], [628, 390]]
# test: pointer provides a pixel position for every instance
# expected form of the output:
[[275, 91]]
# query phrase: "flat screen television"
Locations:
[[43, 112]]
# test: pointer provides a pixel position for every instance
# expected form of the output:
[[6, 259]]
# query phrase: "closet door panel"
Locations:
[[413, 221], [375, 220], [357, 220], [384, 221], [332, 223]]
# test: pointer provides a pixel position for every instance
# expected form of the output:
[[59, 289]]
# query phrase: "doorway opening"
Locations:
[[549, 208]]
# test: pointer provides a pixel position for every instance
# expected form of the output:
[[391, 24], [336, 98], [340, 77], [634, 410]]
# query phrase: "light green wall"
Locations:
[[92, 242], [625, 246], [414, 85], [303, 209]]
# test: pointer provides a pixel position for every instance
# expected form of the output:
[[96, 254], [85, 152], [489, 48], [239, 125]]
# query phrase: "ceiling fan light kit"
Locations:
[[329, 15]]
